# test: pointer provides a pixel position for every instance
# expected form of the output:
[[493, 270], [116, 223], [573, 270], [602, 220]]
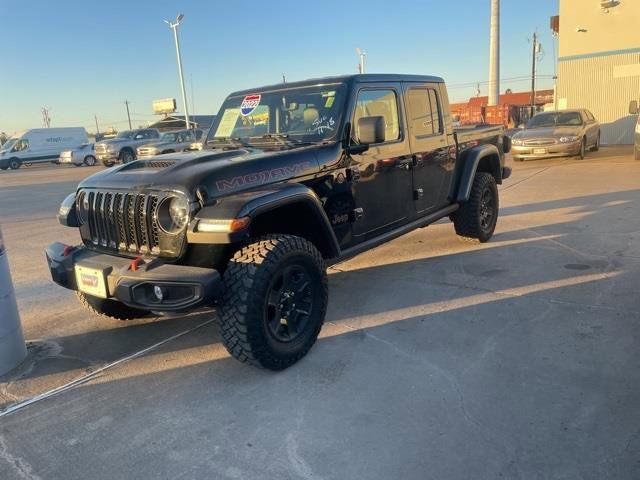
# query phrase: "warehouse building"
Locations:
[[599, 62]]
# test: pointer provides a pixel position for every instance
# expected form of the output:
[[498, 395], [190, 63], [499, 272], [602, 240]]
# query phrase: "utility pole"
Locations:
[[494, 54], [97, 128], [46, 120], [362, 54], [126, 102], [174, 27], [533, 73]]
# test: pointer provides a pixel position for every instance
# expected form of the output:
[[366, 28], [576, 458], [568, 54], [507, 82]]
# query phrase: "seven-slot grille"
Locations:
[[120, 221]]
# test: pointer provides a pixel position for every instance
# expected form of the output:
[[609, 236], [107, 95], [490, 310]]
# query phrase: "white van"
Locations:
[[40, 145]]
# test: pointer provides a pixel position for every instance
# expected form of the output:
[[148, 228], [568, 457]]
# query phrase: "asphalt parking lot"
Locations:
[[439, 359]]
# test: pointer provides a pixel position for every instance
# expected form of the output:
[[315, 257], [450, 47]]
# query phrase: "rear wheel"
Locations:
[[89, 160], [274, 302], [14, 163], [476, 219], [111, 309], [596, 146]]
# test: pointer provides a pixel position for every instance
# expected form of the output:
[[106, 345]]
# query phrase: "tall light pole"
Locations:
[[494, 54], [174, 27], [362, 55]]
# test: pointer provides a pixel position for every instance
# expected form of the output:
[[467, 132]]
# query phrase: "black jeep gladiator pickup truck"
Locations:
[[291, 178]]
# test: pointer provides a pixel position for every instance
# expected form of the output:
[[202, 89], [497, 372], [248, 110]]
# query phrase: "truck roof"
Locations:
[[360, 78]]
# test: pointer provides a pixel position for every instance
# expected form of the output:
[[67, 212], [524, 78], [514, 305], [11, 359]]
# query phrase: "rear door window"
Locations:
[[425, 116]]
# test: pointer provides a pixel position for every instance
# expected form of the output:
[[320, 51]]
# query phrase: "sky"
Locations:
[[82, 59]]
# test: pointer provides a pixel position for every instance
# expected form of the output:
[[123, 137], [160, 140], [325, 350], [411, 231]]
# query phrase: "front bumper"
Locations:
[[183, 287], [546, 151], [107, 157]]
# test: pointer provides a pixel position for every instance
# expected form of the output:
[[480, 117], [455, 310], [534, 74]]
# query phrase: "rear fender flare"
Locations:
[[488, 156]]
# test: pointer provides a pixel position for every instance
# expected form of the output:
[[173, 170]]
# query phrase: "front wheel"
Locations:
[[14, 163], [89, 160], [476, 218], [127, 156], [110, 309], [583, 149], [274, 302]]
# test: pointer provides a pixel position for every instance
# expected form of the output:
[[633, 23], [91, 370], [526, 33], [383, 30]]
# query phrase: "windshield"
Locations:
[[9, 143], [305, 114], [555, 119], [169, 137], [125, 134]]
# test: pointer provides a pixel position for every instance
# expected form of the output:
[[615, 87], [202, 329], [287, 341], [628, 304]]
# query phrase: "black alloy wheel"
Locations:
[[289, 303]]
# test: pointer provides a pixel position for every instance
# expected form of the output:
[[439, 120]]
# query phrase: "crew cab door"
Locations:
[[382, 191], [432, 165]]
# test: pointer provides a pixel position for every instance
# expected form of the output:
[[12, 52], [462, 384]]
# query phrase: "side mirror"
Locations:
[[371, 130], [633, 107]]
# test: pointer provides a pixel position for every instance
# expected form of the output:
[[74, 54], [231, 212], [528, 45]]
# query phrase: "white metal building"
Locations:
[[599, 62]]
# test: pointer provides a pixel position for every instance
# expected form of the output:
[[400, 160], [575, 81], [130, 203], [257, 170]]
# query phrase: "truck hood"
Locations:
[[547, 132], [215, 173]]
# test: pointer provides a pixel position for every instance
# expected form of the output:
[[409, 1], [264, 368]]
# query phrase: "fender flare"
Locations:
[[256, 202], [469, 165]]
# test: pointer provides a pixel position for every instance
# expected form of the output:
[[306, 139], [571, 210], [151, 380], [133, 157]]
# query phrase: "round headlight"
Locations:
[[82, 206], [173, 214]]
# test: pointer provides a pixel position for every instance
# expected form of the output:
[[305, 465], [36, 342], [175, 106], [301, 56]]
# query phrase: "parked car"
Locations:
[[633, 110], [290, 180], [83, 155], [122, 148], [560, 133], [40, 145], [169, 142]]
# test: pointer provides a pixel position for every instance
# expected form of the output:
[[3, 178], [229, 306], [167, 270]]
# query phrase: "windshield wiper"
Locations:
[[282, 139], [233, 142]]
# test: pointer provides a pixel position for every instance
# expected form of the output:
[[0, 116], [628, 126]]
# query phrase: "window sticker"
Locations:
[[249, 104], [228, 122]]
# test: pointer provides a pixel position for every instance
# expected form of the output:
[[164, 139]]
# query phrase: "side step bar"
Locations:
[[390, 235]]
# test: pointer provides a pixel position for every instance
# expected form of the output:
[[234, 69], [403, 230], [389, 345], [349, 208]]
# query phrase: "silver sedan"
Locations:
[[559, 133], [82, 155]]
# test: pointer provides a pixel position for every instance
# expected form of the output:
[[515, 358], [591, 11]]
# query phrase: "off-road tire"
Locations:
[[468, 219], [244, 307], [110, 309], [89, 160], [14, 163]]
